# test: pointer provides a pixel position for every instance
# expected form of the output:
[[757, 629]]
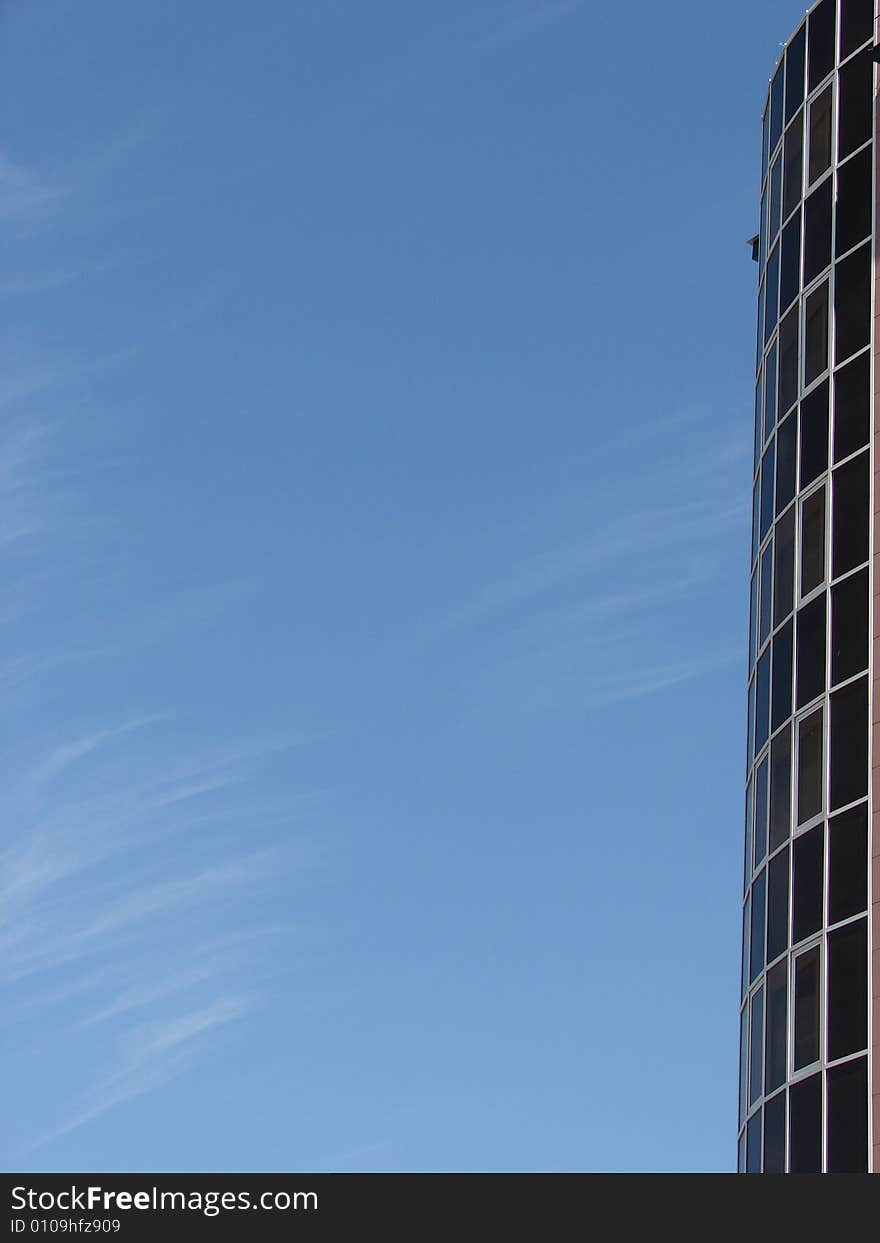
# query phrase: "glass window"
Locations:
[[767, 479], [760, 831], [794, 73], [848, 1118], [771, 294], [760, 336], [757, 938], [774, 1135], [741, 1154], [848, 874], [777, 921], [750, 721], [853, 202], [765, 137], [820, 135], [856, 25], [775, 198], [762, 236], [852, 303], [753, 1144], [747, 861], [770, 393], [756, 515], [783, 572], [816, 333], [792, 169], [753, 618], [790, 269], [809, 870], [822, 38], [743, 1063], [813, 541], [817, 232], [766, 613], [776, 106], [786, 461], [747, 927], [811, 651], [847, 989], [781, 697], [809, 774], [780, 787], [849, 627], [762, 700], [851, 385], [855, 123], [814, 434], [805, 1126], [788, 361], [756, 1052], [759, 418], [777, 1023], [806, 1008], [849, 528], [849, 744]]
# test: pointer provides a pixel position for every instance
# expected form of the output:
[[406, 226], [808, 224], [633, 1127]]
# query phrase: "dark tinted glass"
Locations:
[[781, 695], [762, 701], [757, 934], [811, 651], [813, 541], [767, 479], [848, 883], [750, 722], [805, 1126], [809, 776], [747, 925], [849, 627], [851, 385], [765, 614], [756, 1047], [848, 989], [794, 73], [776, 107], [770, 393], [743, 1063], [822, 28], [806, 1009], [853, 202], [777, 905], [814, 434], [809, 869], [788, 362], [761, 798], [777, 1026], [774, 1135], [817, 232], [786, 461], [771, 294], [753, 618], [790, 269], [783, 575], [848, 1118], [765, 138], [852, 303], [753, 1145], [856, 25], [816, 334], [756, 515], [849, 743], [792, 168], [780, 787], [820, 135], [854, 116], [747, 863], [849, 531]]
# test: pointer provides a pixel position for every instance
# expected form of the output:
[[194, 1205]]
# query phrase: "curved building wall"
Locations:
[[804, 1097]]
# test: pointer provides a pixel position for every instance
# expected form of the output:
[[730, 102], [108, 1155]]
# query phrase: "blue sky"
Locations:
[[375, 408]]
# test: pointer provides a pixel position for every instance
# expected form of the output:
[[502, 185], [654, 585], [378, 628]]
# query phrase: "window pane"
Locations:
[[848, 989], [775, 198], [805, 1122], [794, 73], [756, 1042], [771, 294], [813, 542], [851, 384], [741, 1154], [756, 516], [788, 362], [848, 883], [776, 106], [753, 619], [792, 169], [856, 25], [822, 38], [770, 393], [814, 434], [767, 480], [762, 701], [849, 744], [849, 627], [750, 721], [783, 572], [786, 461], [820, 135], [809, 870], [849, 545], [848, 1118], [809, 775], [777, 912], [759, 418], [760, 829], [811, 651], [781, 697], [777, 1026], [852, 303], [774, 1135], [780, 787], [853, 202], [753, 1145], [790, 270], [747, 930], [854, 118], [766, 613], [757, 934], [817, 232], [743, 1063], [747, 861], [806, 1008], [816, 333]]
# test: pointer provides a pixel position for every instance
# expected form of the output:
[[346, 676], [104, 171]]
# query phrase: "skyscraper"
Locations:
[[809, 1096]]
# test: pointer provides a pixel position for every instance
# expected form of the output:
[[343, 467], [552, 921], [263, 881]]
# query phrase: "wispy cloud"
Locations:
[[530, 21]]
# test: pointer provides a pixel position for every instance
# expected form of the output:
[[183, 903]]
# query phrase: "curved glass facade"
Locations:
[[804, 1093]]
